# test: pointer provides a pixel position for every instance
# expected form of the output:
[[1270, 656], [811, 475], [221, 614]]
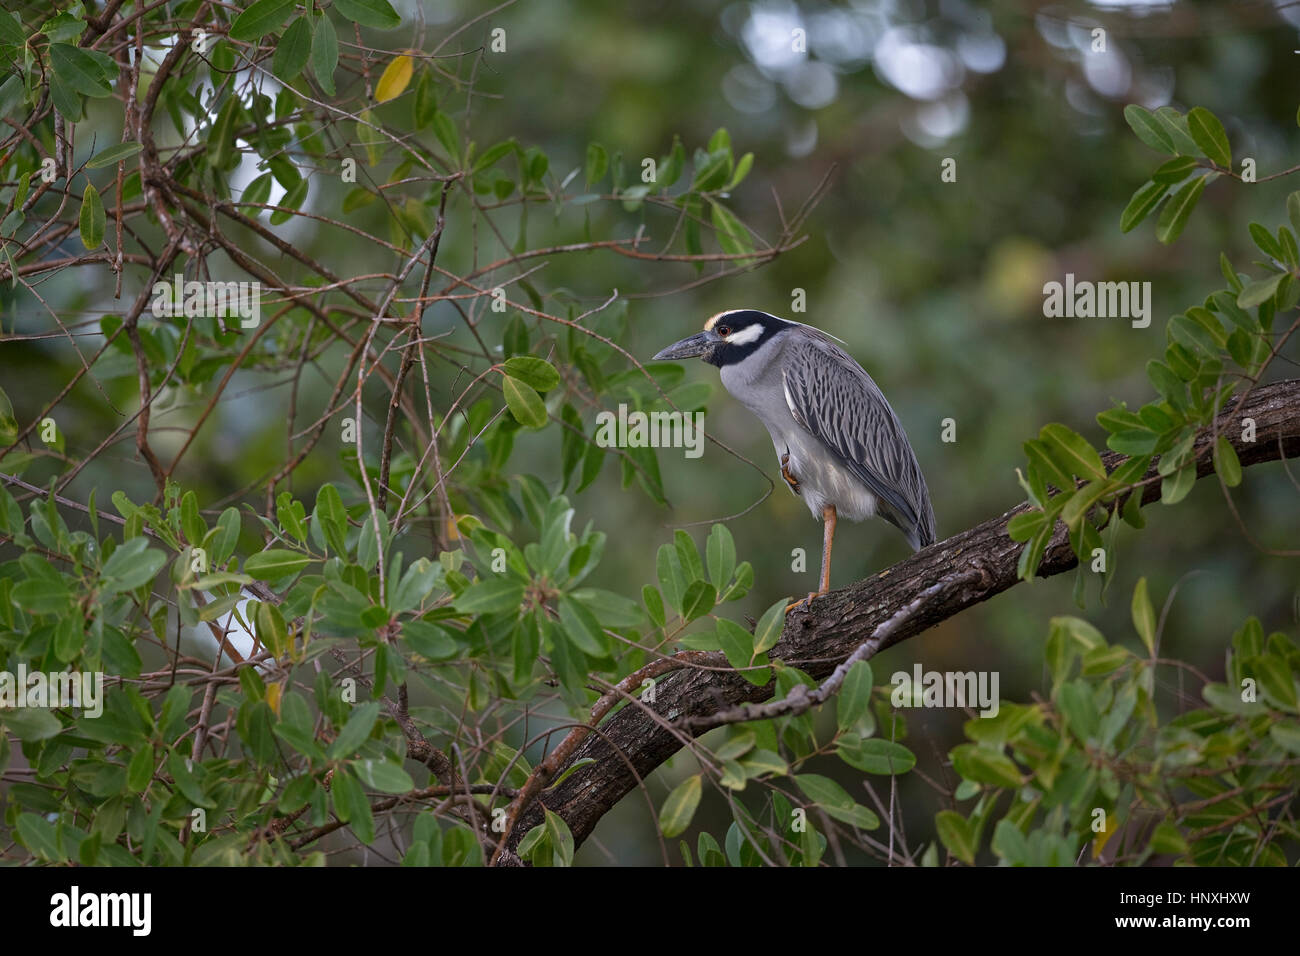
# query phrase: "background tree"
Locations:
[[466, 228]]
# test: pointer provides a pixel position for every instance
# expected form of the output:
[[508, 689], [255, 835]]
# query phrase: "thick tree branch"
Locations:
[[966, 569]]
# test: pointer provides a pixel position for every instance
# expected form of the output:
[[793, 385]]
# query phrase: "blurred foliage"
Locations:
[[515, 148]]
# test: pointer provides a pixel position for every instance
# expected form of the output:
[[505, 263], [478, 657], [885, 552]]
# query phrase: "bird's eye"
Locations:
[[724, 330]]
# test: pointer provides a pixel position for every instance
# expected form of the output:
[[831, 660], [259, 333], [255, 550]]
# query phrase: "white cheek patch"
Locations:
[[750, 333]]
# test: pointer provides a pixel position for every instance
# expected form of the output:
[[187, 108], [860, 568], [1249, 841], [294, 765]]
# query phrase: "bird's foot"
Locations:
[[804, 602], [790, 479]]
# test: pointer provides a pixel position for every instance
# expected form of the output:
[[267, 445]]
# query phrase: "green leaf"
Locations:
[[429, 640], [688, 556], [445, 130], [1226, 462], [1194, 332], [331, 518], [711, 170], [679, 807], [1259, 291], [222, 153], [1078, 505], [854, 701], [1209, 135], [1149, 129], [1049, 469], [259, 19], [1265, 241], [114, 155], [743, 166], [582, 628], [131, 566], [699, 599], [494, 154], [1292, 209], [733, 237], [597, 163], [984, 765], [873, 755], [1025, 525], [1144, 616], [92, 218], [1275, 678], [356, 731], [491, 596], [66, 100], [769, 628], [257, 192], [524, 403], [735, 641], [271, 629], [276, 563], [290, 202], [351, 805], [538, 373], [325, 54], [1175, 487], [672, 581], [39, 835], [357, 198], [383, 776], [370, 136], [654, 604], [1010, 844], [223, 537], [425, 105], [80, 70], [1167, 839], [293, 50], [1145, 200], [1175, 170], [1287, 736], [369, 13], [823, 791], [1072, 451], [1176, 212], [720, 554], [957, 834], [139, 771], [12, 33], [31, 723], [12, 93], [561, 839], [1175, 124]]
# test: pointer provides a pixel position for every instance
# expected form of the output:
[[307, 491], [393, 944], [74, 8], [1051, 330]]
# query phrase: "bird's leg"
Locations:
[[828, 538]]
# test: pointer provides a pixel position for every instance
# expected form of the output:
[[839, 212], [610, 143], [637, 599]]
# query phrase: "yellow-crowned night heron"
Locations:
[[840, 445]]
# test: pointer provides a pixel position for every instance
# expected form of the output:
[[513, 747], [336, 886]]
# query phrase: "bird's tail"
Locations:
[[921, 533]]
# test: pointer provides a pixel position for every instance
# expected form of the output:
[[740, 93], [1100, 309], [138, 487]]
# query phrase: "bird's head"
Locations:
[[728, 337]]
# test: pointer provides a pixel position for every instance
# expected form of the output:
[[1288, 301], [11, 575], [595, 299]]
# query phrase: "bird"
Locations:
[[229, 639], [840, 445]]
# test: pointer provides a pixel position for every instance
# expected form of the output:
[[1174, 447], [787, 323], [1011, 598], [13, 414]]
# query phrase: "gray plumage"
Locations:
[[846, 445], [839, 444]]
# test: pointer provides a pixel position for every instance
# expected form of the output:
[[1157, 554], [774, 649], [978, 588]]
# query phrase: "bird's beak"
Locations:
[[691, 347]]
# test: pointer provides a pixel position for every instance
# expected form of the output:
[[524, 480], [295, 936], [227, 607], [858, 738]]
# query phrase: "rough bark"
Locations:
[[816, 640]]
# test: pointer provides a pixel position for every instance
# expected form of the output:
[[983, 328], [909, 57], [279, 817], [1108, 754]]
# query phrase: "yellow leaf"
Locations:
[[397, 76], [1100, 840], [273, 692]]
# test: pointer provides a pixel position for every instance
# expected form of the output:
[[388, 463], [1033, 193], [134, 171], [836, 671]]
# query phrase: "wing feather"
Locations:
[[834, 398]]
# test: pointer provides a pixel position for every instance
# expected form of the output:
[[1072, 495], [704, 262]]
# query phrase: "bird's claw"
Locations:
[[804, 601], [790, 479]]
